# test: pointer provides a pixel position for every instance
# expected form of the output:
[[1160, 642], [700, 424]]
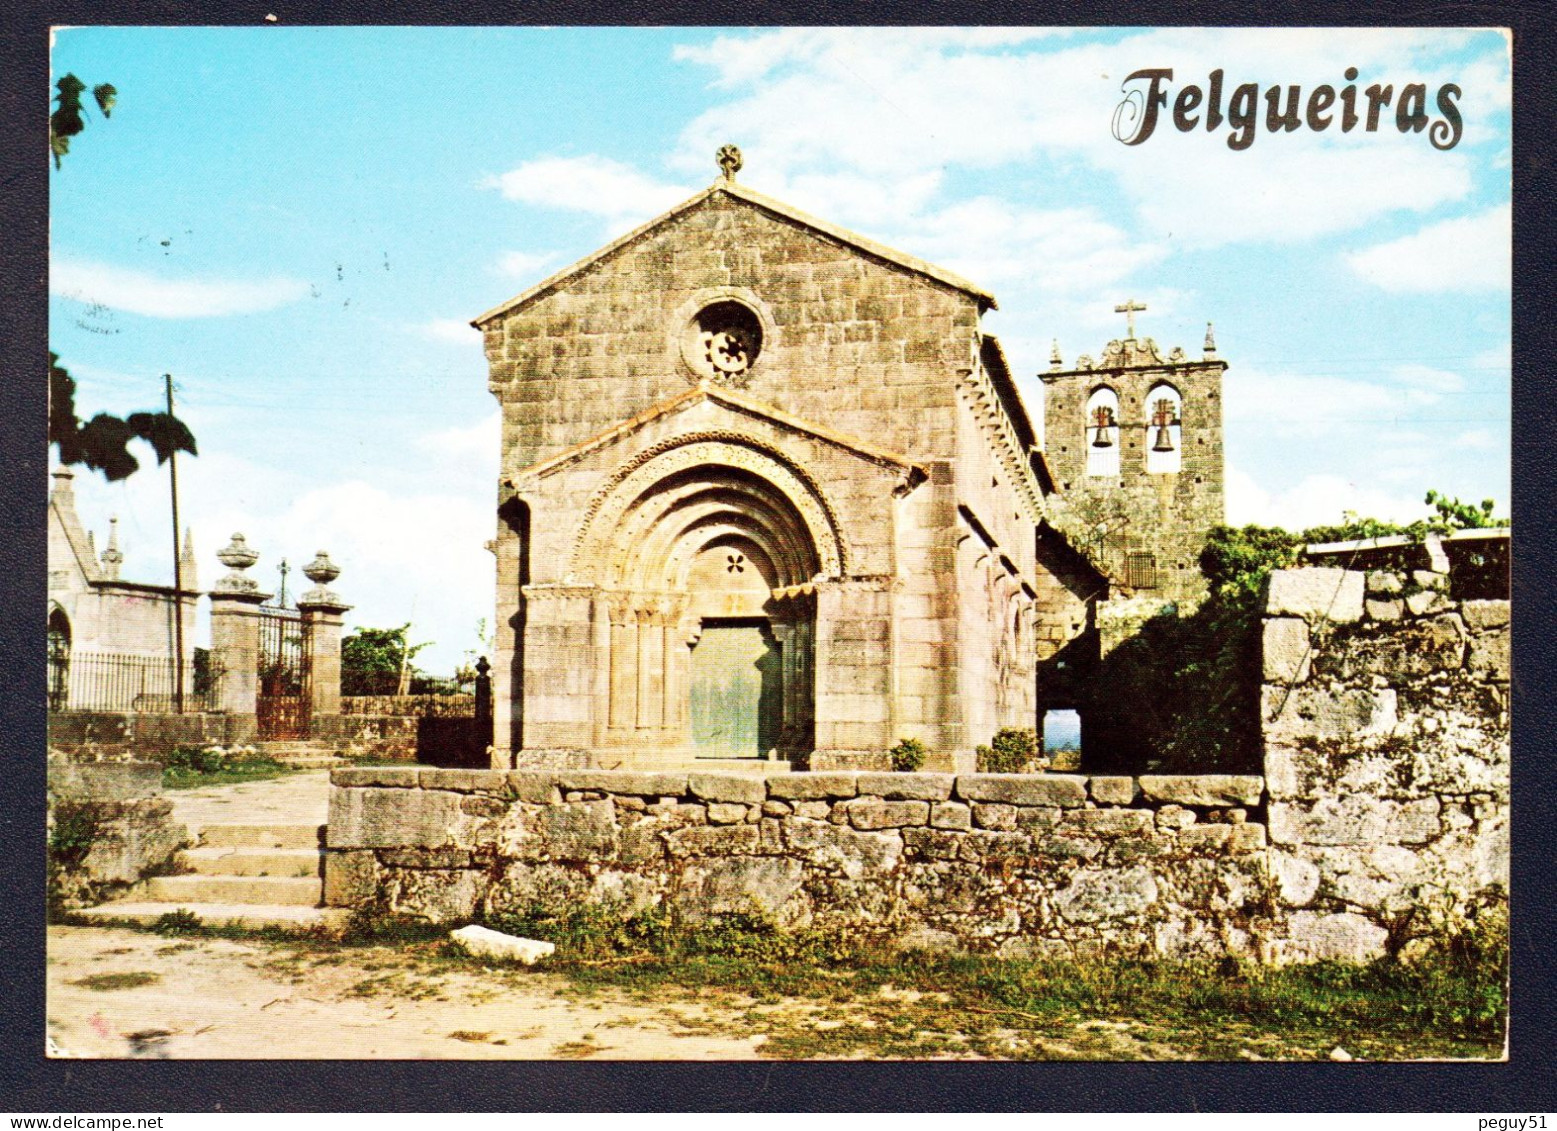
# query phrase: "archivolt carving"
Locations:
[[593, 549]]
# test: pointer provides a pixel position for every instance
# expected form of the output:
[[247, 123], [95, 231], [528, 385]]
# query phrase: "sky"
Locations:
[[299, 224]]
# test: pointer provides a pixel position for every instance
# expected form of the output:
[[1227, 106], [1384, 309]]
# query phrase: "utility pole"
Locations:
[[178, 573]]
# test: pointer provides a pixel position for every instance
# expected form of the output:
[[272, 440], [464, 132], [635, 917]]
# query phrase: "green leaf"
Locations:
[[106, 96], [104, 443], [165, 433]]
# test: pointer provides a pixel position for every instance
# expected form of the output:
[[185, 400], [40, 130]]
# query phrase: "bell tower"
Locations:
[[1134, 444]]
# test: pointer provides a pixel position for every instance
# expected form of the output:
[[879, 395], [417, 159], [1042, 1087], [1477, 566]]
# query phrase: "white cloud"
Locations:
[[525, 264], [1316, 500], [1477, 439], [465, 457], [455, 330], [1429, 379], [139, 293], [604, 187], [1468, 253], [405, 554], [888, 104]]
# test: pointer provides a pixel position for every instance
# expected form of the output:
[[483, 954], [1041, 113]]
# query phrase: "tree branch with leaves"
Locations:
[[102, 443], [69, 117]]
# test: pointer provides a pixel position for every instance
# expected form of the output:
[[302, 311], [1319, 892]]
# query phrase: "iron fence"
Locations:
[[131, 684]]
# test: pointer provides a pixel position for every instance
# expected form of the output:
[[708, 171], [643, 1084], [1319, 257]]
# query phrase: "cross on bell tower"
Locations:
[[1129, 308]]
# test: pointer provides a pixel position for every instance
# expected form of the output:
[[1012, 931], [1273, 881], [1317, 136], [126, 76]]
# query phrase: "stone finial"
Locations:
[[729, 158], [237, 557], [1055, 360], [1210, 346], [186, 562], [321, 571], [111, 558]]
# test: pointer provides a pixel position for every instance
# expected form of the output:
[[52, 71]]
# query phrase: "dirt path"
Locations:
[[122, 993]]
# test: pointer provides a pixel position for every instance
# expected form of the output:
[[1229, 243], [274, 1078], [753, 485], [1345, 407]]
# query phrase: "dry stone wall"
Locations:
[[1386, 725], [1043, 864], [1381, 823]]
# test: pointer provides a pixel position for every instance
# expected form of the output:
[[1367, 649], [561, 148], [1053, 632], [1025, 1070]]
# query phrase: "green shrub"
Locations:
[[180, 922], [1013, 750], [908, 756], [196, 759], [71, 837]]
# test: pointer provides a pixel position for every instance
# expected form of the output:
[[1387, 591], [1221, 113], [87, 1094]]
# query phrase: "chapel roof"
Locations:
[[733, 189]]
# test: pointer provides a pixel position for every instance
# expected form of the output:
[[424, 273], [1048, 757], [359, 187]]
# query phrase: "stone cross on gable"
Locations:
[[1129, 308]]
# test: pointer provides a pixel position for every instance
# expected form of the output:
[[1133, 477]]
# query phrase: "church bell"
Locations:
[[1164, 418], [1104, 420]]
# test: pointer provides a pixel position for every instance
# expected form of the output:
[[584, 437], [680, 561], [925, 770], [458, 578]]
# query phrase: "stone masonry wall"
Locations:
[[107, 829], [1015, 864], [1386, 724]]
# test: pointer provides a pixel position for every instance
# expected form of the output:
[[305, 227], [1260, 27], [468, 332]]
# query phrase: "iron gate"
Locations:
[[284, 703]]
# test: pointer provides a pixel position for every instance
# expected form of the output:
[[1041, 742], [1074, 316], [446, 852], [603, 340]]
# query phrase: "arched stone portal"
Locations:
[[705, 574]]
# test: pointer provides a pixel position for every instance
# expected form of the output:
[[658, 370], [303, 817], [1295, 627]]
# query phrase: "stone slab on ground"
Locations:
[[484, 942]]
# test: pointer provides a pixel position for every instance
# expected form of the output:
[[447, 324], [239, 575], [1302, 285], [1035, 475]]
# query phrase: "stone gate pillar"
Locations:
[[321, 610], [235, 629]]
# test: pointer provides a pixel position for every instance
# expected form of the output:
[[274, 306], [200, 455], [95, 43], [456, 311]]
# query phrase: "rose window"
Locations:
[[723, 342]]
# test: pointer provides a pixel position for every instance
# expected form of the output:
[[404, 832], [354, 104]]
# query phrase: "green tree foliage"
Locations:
[[372, 659], [1455, 515], [102, 443], [1185, 692], [69, 117]]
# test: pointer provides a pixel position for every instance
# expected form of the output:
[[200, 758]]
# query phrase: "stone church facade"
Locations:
[[767, 491]]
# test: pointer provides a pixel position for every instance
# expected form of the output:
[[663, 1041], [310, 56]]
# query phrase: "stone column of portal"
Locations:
[[235, 642], [321, 610]]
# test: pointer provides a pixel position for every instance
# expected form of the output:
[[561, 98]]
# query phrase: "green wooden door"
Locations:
[[736, 692]]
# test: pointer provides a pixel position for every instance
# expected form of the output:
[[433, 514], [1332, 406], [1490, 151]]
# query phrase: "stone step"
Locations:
[[301, 746], [290, 891], [146, 913], [261, 836], [230, 861]]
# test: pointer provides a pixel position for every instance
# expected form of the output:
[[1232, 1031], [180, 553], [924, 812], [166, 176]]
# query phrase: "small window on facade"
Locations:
[[1141, 570], [1164, 431], [1102, 432]]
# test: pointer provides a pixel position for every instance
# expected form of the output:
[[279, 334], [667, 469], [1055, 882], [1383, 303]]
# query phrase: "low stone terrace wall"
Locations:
[[1045, 864], [418, 706], [94, 734]]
